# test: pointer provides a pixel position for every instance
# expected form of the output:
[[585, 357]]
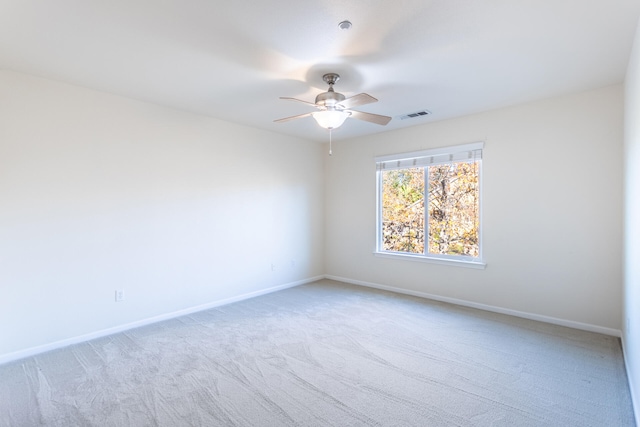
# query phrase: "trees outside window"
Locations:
[[432, 208], [403, 210]]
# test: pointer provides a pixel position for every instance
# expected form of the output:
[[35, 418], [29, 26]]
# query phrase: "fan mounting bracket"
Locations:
[[331, 78]]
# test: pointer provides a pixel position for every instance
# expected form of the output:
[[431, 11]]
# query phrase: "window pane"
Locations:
[[403, 210], [453, 209]]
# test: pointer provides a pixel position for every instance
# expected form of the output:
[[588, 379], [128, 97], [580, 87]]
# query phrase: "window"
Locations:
[[429, 204]]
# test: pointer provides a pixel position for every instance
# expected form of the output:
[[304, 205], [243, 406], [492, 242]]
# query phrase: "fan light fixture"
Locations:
[[331, 119], [335, 108]]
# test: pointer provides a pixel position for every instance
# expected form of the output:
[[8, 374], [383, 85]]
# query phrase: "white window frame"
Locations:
[[421, 159]]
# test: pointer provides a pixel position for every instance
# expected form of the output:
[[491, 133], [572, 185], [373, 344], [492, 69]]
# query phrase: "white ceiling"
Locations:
[[233, 59]]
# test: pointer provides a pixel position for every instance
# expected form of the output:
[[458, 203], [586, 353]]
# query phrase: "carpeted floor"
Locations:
[[326, 354]]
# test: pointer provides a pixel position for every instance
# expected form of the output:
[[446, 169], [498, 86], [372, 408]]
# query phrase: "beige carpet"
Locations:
[[326, 354]]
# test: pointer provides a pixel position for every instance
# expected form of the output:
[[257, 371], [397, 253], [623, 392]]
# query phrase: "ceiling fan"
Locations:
[[334, 108]]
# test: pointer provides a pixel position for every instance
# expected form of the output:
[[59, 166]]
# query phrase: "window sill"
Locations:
[[432, 260]]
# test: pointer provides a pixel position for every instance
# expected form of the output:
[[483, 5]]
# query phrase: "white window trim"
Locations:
[[481, 265], [460, 261]]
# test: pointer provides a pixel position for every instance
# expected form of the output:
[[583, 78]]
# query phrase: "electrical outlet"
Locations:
[[273, 267], [120, 295]]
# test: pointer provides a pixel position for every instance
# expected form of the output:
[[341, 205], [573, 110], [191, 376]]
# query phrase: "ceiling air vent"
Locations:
[[422, 113]]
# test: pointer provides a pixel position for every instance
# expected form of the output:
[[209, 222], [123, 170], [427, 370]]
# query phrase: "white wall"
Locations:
[[552, 198], [99, 193], [631, 319]]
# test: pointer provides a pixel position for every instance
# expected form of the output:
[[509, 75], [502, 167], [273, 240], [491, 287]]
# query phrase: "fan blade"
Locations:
[[299, 116], [356, 100], [368, 117], [298, 100]]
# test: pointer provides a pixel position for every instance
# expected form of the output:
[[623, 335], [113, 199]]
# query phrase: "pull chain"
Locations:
[[330, 152]]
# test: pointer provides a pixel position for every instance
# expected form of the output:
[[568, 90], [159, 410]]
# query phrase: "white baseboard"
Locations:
[[494, 309], [32, 351], [634, 396]]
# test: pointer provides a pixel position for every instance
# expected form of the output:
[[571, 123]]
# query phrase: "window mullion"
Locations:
[[425, 212], [379, 217]]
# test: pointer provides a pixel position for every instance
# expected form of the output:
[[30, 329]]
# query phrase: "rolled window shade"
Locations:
[[437, 156]]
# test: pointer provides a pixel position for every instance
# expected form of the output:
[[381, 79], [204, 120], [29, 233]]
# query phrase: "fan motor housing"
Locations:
[[329, 99]]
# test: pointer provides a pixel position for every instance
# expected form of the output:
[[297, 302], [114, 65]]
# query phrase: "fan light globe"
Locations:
[[330, 119]]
